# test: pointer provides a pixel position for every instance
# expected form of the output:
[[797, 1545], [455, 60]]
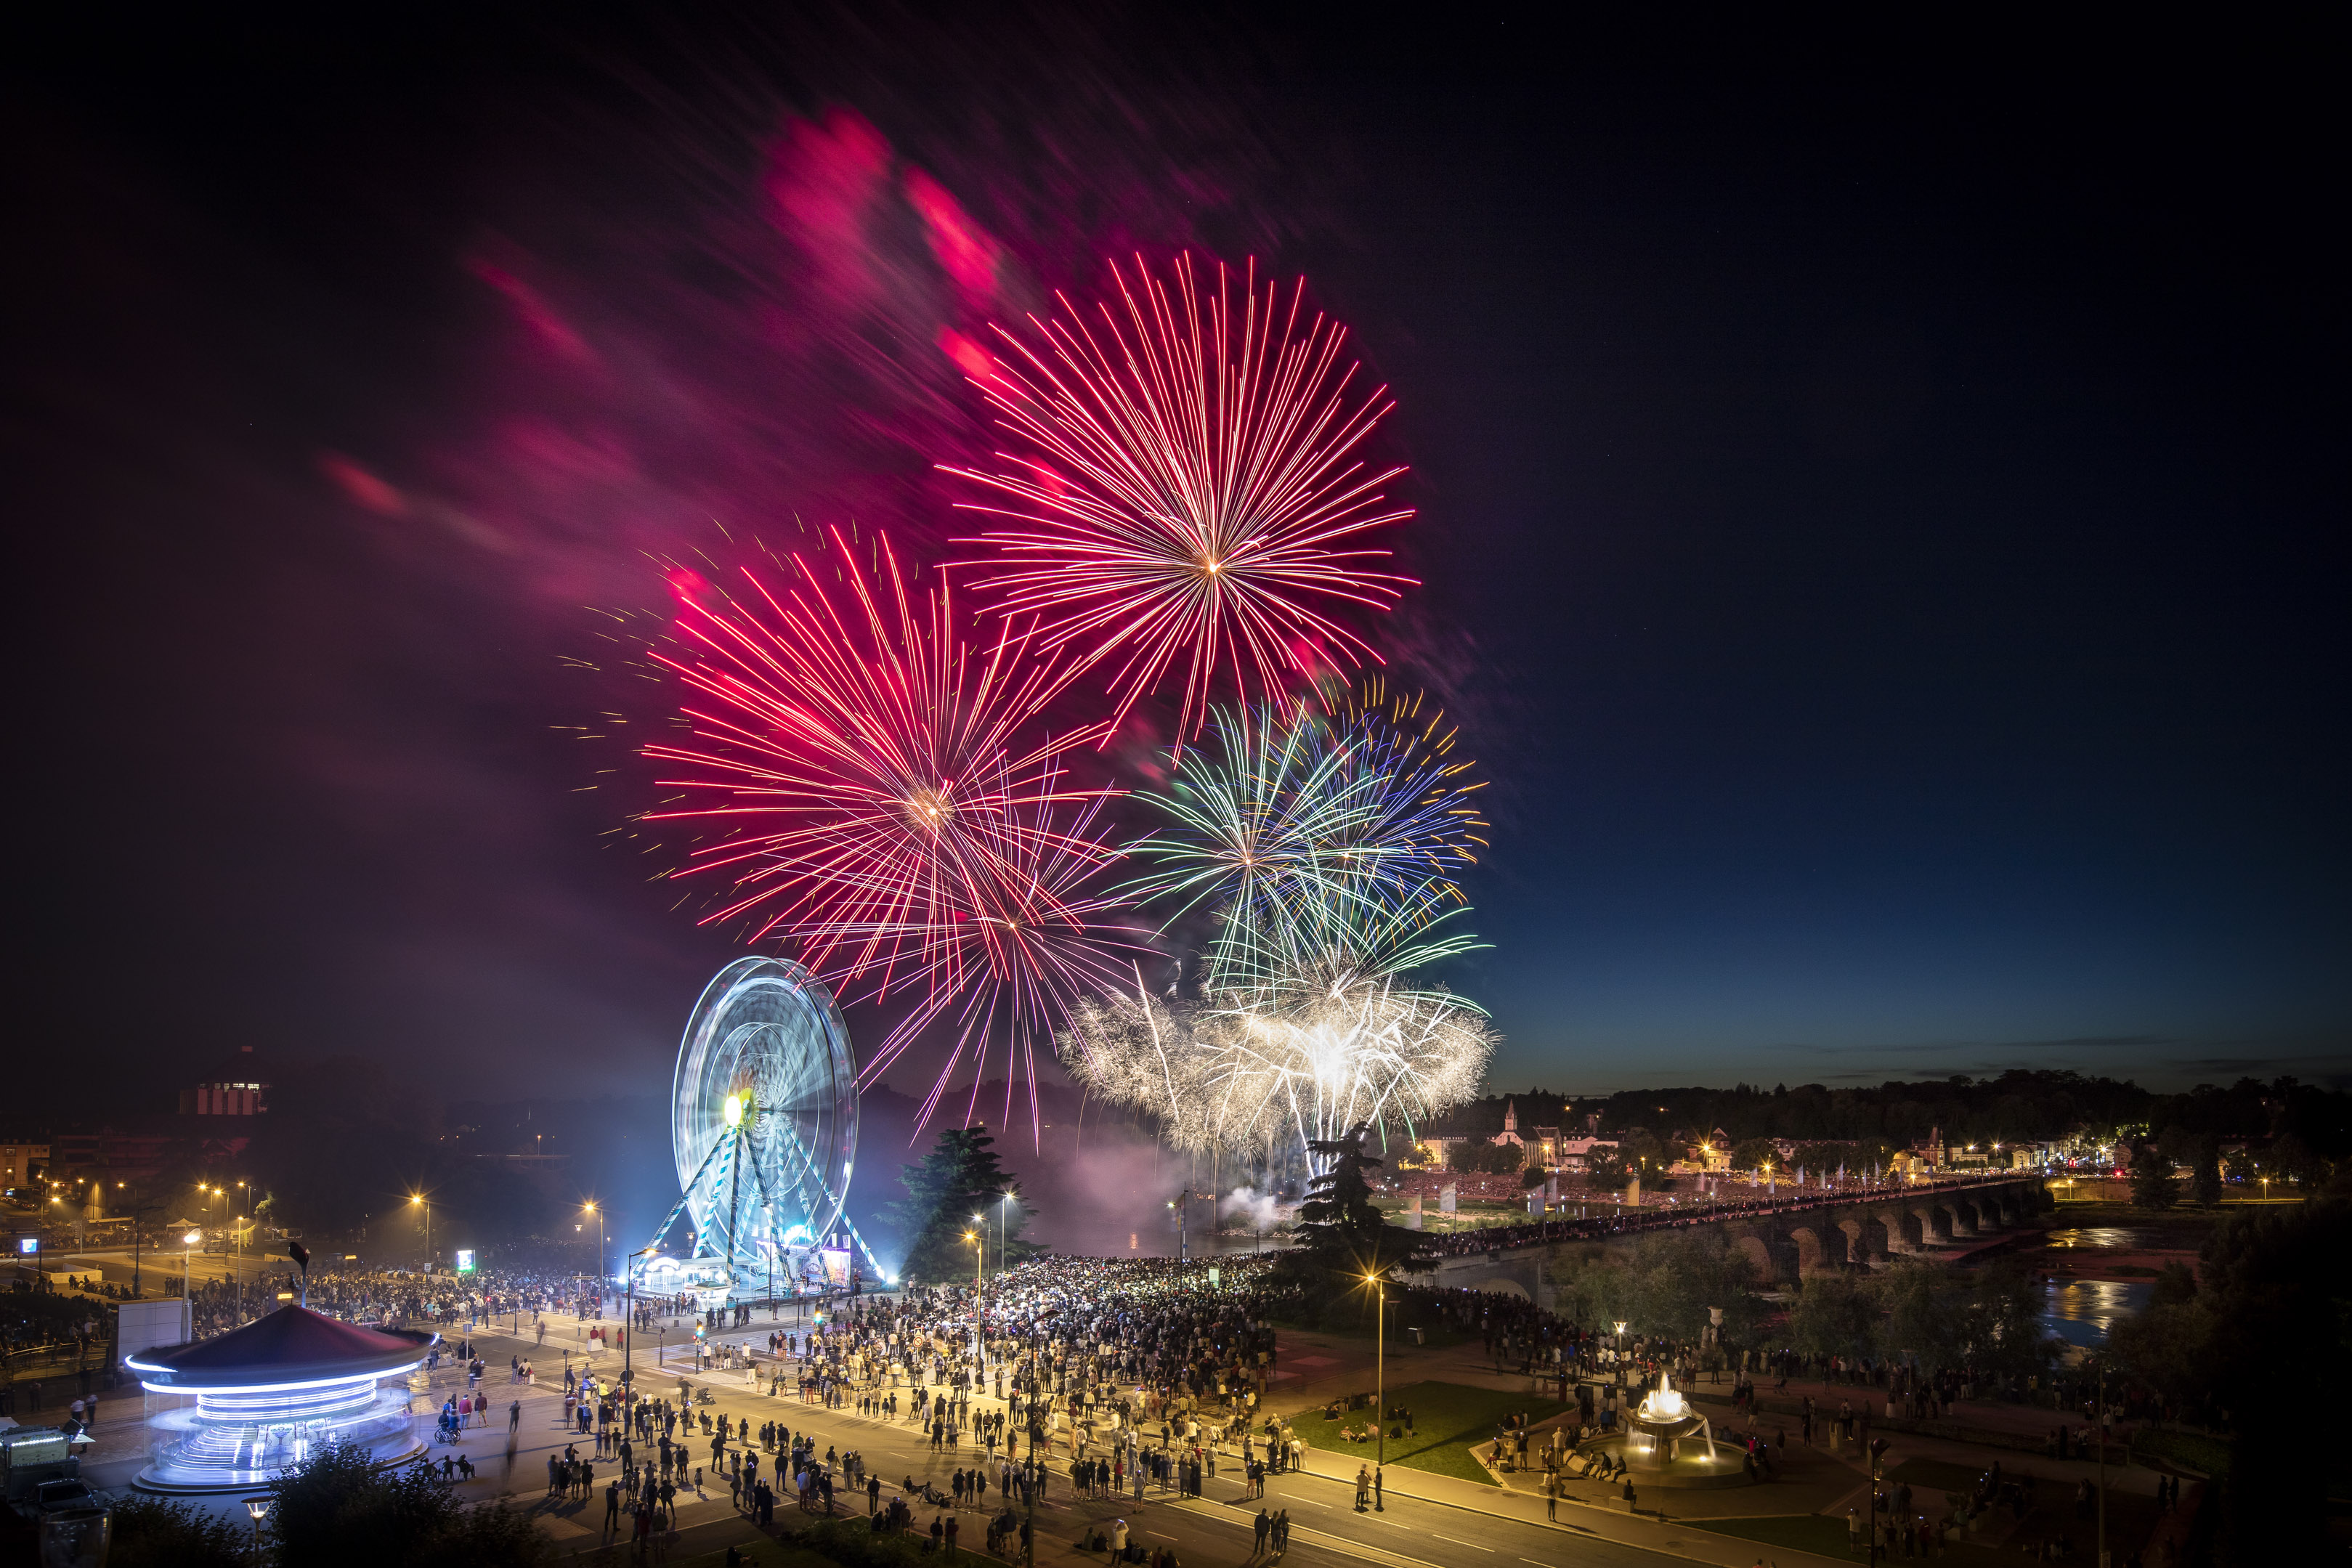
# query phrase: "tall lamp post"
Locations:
[[1181, 1202], [188, 1267], [243, 1193], [414, 1199], [979, 1251], [1380, 1383], [590, 1207], [629, 1335]]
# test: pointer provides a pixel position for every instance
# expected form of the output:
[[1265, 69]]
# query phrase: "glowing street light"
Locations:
[[1379, 1382], [979, 1250]]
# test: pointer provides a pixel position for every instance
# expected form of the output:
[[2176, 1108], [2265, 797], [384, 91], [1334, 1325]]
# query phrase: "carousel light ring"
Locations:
[[241, 1410], [763, 1122]]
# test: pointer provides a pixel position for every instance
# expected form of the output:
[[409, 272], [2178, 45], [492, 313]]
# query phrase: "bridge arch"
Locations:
[[1757, 1253], [1820, 1248]]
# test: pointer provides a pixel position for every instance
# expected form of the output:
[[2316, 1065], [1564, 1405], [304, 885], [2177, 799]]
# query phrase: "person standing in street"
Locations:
[[1363, 1488]]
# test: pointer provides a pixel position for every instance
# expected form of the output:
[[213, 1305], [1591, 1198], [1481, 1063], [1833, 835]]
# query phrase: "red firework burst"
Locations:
[[1013, 952], [1192, 487], [877, 805]]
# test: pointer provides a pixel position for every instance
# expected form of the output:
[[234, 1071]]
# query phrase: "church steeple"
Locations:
[[1510, 1116]]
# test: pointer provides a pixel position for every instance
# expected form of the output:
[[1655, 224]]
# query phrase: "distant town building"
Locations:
[[1577, 1153], [1510, 1133], [21, 1164], [235, 1089]]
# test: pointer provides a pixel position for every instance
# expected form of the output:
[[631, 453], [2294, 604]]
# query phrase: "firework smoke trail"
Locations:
[[1191, 486], [878, 806], [1320, 844]]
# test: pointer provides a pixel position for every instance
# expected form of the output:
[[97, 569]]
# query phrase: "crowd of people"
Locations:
[[1637, 1222]]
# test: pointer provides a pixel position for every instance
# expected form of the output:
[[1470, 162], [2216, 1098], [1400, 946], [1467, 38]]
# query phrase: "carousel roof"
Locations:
[[291, 1345]]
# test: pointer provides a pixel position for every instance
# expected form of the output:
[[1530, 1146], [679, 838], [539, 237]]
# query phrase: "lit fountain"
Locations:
[[1654, 1432], [1665, 1442]]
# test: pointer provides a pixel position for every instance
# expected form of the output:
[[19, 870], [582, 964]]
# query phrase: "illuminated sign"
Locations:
[[28, 1245], [836, 1266], [465, 1260]]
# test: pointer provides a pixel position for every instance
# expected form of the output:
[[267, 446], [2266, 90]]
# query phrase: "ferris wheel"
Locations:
[[763, 1122]]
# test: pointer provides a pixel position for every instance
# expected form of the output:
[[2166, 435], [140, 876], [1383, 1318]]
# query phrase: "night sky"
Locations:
[[1883, 499]]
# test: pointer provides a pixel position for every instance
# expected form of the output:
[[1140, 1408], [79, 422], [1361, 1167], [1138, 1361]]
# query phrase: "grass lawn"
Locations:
[[1448, 1418]]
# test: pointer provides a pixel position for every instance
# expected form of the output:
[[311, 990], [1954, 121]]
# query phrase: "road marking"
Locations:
[[1471, 1544]]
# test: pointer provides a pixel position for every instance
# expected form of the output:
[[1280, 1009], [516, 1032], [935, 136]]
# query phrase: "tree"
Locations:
[[1834, 1314], [2205, 1186], [2153, 1183], [2175, 1283], [1339, 1230], [959, 1179], [1754, 1153], [339, 1507], [1924, 1314], [2001, 1319], [159, 1532], [1608, 1168], [1664, 1285], [2275, 1300]]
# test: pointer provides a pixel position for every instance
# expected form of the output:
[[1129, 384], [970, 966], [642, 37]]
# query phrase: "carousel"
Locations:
[[234, 1413]]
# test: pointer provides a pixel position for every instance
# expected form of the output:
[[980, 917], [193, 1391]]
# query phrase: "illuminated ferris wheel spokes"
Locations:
[[763, 1119]]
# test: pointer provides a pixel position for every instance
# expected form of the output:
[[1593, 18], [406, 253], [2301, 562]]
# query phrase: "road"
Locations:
[[1325, 1529]]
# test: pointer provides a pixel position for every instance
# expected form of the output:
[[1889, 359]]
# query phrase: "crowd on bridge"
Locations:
[[1676, 1216]]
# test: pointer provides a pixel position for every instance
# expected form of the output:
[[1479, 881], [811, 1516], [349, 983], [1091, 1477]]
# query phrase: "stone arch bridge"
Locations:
[[1793, 1238]]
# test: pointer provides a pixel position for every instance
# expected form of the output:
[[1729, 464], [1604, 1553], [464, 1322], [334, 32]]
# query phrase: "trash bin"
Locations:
[[1415, 1332]]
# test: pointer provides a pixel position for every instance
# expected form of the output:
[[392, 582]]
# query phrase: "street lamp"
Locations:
[[242, 1196], [1004, 1235], [590, 1207], [1380, 1383], [188, 1266], [979, 1250], [414, 1199], [259, 1509], [629, 1335]]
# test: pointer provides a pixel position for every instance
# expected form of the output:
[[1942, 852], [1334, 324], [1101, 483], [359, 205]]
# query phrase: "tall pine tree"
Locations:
[[1340, 1231], [959, 1179]]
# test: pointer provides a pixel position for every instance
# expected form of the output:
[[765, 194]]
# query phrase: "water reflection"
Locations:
[[2081, 1311], [2124, 1237]]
